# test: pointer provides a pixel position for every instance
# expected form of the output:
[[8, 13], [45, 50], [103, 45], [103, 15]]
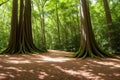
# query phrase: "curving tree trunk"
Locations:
[[21, 40], [88, 46]]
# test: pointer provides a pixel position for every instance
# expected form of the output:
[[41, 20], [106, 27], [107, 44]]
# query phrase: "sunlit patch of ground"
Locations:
[[53, 65]]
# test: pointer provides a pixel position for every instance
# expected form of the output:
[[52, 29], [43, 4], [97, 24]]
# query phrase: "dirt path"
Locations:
[[54, 66]]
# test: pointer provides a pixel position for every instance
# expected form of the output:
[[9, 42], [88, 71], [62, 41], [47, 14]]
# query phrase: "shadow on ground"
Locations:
[[54, 66]]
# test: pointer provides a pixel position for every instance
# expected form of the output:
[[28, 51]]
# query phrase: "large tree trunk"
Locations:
[[21, 40], [14, 24], [88, 46]]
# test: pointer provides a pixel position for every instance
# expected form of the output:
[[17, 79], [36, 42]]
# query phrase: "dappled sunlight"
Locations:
[[118, 57], [54, 66], [15, 58], [42, 75], [5, 75], [1, 66], [113, 64], [17, 62], [57, 51], [27, 59], [2, 76], [14, 68], [116, 74], [58, 59], [117, 60], [79, 73]]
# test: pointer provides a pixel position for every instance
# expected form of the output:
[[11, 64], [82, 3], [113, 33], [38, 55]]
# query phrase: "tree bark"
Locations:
[[21, 40], [88, 45], [14, 24], [42, 21], [107, 12], [58, 25], [108, 20]]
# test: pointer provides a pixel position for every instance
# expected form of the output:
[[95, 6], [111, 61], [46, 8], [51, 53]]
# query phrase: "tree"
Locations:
[[42, 22], [88, 45], [108, 18], [21, 31], [113, 29], [107, 12], [3, 2], [58, 24]]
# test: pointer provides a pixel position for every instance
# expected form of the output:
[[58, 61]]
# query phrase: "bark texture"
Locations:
[[21, 40], [88, 45], [110, 26]]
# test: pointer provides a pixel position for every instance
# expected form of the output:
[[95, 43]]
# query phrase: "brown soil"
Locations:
[[53, 65]]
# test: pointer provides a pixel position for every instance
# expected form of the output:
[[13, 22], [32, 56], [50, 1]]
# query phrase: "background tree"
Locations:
[[108, 19], [42, 21], [58, 24], [111, 29]]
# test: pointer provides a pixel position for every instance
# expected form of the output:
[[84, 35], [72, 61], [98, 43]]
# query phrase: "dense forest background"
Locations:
[[56, 24]]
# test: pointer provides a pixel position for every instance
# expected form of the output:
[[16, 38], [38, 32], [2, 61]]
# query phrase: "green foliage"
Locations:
[[69, 21], [5, 15], [100, 27], [115, 36]]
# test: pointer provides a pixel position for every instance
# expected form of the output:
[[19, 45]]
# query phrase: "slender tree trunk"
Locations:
[[74, 27], [88, 46], [42, 22], [65, 32], [108, 19], [43, 28], [107, 12], [78, 23], [58, 25]]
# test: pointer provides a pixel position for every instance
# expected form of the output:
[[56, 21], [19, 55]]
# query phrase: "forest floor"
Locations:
[[53, 65]]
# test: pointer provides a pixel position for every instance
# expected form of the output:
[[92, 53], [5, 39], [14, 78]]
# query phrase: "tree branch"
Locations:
[[3, 2]]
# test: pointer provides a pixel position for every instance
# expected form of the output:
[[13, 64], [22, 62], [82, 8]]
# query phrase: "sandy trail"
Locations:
[[54, 66]]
